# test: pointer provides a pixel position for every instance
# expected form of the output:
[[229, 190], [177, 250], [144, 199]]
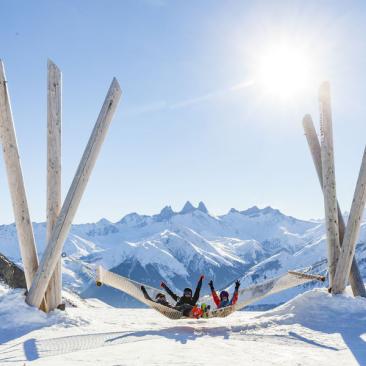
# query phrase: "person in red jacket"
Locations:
[[223, 300]]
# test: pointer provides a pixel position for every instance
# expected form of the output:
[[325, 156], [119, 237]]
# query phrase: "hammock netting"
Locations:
[[246, 296]]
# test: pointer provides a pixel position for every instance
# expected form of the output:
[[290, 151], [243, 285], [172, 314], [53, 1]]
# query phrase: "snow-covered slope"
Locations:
[[177, 247], [313, 329]]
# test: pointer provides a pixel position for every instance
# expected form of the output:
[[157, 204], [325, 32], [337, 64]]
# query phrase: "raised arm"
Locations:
[[198, 290], [147, 297], [214, 294], [234, 299], [174, 296]]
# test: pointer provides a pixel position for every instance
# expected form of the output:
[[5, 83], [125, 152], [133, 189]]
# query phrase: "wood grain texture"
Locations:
[[358, 287], [23, 222], [54, 120], [68, 210], [352, 232], [329, 182]]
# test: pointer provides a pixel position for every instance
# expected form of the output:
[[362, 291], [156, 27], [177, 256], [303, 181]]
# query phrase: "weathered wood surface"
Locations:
[[329, 182], [68, 210], [352, 231], [54, 120], [358, 287], [23, 222]]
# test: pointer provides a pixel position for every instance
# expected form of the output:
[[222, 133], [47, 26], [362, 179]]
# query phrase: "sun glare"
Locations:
[[284, 70]]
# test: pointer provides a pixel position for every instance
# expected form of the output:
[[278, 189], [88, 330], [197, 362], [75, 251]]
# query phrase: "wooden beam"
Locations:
[[54, 110], [329, 183], [23, 222], [68, 210], [352, 232], [358, 287]]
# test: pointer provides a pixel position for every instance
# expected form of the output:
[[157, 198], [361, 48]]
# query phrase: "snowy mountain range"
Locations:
[[254, 245]]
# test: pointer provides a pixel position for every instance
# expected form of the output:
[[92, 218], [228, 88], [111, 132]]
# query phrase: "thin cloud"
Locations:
[[210, 96], [147, 108], [185, 103]]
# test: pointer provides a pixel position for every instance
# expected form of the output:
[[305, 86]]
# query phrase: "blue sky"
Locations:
[[191, 125]]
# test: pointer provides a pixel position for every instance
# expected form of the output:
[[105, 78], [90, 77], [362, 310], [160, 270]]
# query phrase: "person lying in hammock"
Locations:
[[186, 302], [223, 300], [159, 298]]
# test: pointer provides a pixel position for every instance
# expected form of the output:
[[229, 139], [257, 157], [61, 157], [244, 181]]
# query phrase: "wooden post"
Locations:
[[352, 231], [329, 184], [23, 222], [356, 281], [68, 210], [54, 89]]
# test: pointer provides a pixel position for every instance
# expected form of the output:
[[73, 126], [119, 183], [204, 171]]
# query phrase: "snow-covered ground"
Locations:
[[312, 329]]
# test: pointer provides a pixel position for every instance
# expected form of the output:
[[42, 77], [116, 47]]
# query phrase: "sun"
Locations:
[[284, 70]]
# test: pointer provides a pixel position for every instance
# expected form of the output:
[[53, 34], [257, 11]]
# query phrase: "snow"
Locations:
[[313, 328]]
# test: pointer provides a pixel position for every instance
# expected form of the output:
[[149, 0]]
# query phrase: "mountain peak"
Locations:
[[131, 218], [251, 211], [254, 211], [187, 208], [165, 214], [270, 210], [103, 221], [202, 207]]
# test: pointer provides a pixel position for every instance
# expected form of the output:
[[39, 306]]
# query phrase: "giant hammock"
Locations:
[[246, 296]]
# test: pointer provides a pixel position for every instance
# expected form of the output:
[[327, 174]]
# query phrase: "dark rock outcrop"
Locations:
[[11, 274]]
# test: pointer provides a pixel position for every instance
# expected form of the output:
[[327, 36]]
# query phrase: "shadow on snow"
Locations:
[[34, 349]]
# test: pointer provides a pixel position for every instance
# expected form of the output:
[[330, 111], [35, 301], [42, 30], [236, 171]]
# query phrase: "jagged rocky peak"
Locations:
[[187, 208], [165, 214], [233, 211], [202, 207]]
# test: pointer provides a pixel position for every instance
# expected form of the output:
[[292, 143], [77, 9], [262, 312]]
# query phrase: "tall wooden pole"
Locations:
[[54, 110], [68, 210], [329, 184], [356, 281], [23, 222], [352, 231]]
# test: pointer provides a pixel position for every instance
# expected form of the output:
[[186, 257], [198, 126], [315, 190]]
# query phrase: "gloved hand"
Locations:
[[202, 277], [211, 285], [143, 289], [237, 284], [163, 285]]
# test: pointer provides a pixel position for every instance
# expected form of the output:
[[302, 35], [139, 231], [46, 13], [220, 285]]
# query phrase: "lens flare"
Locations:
[[284, 70]]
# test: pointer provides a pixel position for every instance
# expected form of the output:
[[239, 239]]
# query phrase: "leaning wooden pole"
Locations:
[[54, 100], [23, 222], [329, 183], [355, 278], [352, 231], [68, 210]]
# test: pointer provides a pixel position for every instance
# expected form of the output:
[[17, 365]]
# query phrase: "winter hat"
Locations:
[[224, 294]]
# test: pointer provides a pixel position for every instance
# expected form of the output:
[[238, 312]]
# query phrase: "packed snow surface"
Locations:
[[314, 328]]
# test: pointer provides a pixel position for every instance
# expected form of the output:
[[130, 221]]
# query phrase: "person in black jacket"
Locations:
[[186, 302], [159, 298]]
